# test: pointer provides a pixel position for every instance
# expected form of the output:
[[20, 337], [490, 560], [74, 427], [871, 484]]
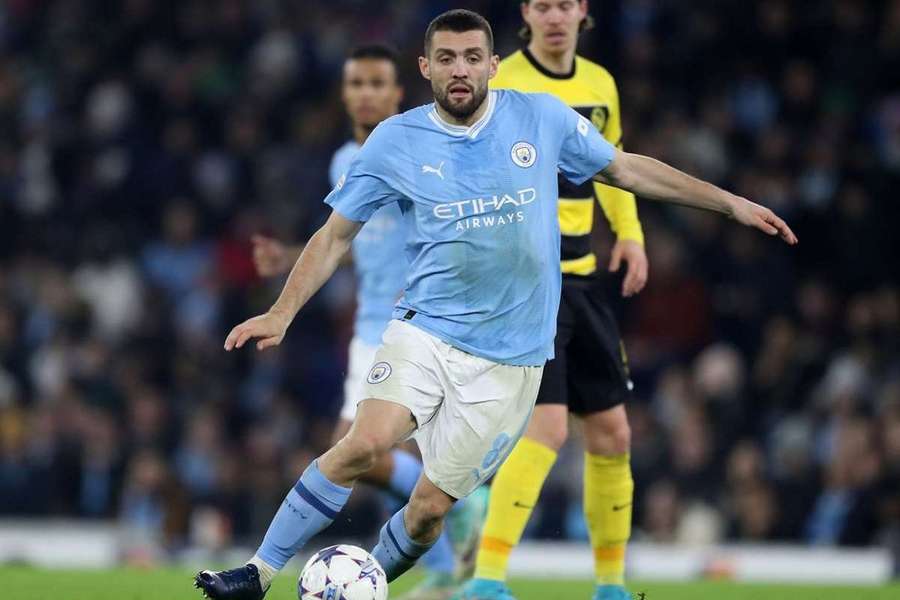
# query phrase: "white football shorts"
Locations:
[[469, 411], [359, 362]]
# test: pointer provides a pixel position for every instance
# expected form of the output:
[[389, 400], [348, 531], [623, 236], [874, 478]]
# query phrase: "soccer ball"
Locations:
[[342, 572]]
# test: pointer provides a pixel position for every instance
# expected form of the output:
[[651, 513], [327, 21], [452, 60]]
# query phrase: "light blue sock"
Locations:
[[308, 508], [407, 469], [396, 552]]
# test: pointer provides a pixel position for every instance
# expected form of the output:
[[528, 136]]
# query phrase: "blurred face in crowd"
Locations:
[[554, 23], [371, 91], [459, 65]]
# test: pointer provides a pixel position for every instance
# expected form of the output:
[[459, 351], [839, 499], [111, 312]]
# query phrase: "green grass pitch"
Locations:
[[22, 583]]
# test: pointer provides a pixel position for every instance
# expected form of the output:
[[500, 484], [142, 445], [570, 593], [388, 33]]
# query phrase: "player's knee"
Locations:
[[609, 438], [551, 433], [362, 449]]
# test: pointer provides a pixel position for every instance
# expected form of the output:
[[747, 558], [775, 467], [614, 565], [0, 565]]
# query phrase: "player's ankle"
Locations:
[[266, 571]]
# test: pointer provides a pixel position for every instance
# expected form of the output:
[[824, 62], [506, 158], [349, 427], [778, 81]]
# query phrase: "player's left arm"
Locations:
[[650, 178]]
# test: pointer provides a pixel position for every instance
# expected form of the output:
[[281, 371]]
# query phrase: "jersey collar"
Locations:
[[544, 70], [466, 130]]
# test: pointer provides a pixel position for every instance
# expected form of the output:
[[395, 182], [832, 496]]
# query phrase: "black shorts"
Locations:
[[590, 370]]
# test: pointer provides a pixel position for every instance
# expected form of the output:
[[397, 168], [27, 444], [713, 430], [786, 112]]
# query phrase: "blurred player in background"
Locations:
[[461, 361], [589, 376], [371, 92]]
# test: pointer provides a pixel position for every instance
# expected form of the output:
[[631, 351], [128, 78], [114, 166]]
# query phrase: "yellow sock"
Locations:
[[608, 494], [514, 492]]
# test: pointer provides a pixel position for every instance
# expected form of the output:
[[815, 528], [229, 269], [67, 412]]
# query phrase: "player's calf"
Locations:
[[413, 530]]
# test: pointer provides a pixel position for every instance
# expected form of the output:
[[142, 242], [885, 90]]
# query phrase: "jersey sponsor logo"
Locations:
[[479, 206], [523, 154], [380, 371], [492, 211], [435, 170]]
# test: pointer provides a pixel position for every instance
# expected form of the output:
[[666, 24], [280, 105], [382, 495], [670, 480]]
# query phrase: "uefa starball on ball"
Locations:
[[342, 572]]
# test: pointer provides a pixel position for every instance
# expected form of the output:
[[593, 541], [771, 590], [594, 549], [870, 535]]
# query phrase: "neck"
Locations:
[[361, 133], [555, 62], [479, 112]]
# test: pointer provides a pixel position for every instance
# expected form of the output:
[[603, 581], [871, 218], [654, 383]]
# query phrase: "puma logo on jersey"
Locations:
[[435, 170]]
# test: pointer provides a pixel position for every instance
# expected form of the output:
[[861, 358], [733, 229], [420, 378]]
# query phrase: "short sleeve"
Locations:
[[335, 169], [584, 152], [365, 186]]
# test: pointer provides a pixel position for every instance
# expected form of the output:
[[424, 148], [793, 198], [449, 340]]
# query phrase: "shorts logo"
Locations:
[[523, 154], [380, 371]]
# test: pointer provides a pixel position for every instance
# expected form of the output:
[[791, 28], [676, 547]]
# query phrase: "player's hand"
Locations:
[[270, 256], [636, 274], [760, 217], [269, 328]]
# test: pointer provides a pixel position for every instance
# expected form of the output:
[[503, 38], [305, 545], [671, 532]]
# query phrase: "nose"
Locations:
[[460, 69], [554, 16]]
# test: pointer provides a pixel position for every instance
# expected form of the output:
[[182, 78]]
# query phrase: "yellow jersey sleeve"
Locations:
[[619, 206]]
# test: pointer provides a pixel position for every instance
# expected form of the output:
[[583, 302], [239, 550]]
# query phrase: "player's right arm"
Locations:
[[358, 193], [318, 261]]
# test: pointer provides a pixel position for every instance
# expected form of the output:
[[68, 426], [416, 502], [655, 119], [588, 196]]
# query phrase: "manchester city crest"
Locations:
[[380, 371], [523, 154]]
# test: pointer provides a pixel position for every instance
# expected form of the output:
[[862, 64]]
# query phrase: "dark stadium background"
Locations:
[[142, 142]]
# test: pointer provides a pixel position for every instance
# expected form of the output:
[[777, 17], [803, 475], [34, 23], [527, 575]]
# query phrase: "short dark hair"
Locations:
[[376, 52], [587, 23], [459, 20]]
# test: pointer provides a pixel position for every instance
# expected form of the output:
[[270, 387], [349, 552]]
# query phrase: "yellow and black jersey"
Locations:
[[591, 90]]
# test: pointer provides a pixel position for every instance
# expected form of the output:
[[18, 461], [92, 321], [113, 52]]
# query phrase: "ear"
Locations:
[[495, 63], [424, 68]]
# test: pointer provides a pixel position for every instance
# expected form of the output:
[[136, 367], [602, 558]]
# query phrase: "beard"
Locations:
[[464, 110]]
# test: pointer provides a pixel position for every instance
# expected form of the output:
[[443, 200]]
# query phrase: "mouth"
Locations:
[[556, 37], [459, 92]]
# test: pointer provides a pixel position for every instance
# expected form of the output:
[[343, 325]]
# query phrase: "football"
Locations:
[[342, 572]]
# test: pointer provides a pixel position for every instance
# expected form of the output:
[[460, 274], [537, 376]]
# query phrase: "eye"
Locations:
[[473, 60]]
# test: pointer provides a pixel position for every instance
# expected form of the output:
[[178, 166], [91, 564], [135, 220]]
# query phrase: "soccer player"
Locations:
[[589, 374], [460, 364], [371, 92]]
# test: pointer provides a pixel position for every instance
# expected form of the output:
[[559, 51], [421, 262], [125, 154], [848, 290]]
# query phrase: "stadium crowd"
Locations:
[[142, 143]]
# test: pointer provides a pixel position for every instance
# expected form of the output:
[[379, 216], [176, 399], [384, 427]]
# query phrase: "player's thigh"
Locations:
[[485, 412], [381, 422], [406, 370], [361, 357]]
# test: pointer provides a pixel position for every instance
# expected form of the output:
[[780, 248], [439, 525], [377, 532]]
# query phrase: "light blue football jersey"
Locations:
[[480, 208], [379, 259]]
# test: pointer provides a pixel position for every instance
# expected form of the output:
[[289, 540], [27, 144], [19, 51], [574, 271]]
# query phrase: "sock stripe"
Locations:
[[314, 501], [492, 544], [610, 552], [397, 545]]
